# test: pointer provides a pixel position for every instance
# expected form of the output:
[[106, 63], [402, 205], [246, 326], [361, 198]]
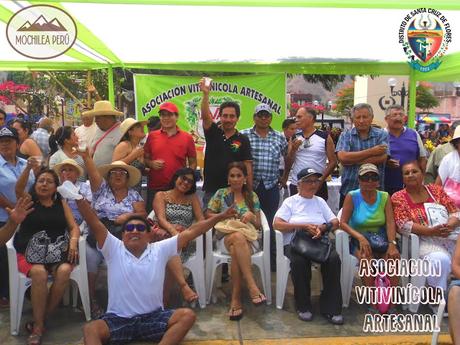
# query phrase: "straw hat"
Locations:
[[456, 133], [57, 168], [134, 173], [127, 124], [103, 108]]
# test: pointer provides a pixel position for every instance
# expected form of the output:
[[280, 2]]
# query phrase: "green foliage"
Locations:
[[344, 99], [328, 81], [425, 99]]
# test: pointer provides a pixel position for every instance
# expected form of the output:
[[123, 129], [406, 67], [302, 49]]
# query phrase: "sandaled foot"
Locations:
[[258, 299], [188, 294], [34, 339], [96, 310], [235, 313]]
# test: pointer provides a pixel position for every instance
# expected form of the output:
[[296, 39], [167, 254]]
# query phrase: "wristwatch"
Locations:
[[394, 242], [328, 226]]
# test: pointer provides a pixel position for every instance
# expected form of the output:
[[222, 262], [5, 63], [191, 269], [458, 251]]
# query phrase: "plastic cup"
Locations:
[[81, 146], [207, 81], [38, 159]]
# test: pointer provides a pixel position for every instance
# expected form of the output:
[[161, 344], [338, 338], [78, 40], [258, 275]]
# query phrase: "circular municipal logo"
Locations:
[[425, 34], [41, 32]]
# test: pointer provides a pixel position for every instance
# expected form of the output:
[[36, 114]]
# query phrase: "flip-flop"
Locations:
[[258, 299], [34, 339], [232, 316]]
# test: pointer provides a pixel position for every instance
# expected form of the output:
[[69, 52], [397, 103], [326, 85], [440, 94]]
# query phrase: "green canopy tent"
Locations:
[[354, 37]]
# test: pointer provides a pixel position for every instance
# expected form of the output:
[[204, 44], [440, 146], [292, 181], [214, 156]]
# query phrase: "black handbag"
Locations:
[[378, 243], [317, 250], [40, 249]]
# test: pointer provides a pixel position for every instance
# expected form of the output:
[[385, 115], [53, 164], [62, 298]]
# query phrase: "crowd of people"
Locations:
[[58, 185]]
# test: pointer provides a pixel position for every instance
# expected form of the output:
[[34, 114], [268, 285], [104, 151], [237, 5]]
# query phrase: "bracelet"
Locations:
[[75, 238]]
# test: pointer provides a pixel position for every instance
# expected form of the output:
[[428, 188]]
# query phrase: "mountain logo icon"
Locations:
[[41, 24], [41, 32]]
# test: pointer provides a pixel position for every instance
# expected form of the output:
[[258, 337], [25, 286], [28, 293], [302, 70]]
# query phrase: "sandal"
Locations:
[[188, 294], [96, 310], [258, 299], [235, 313], [34, 339]]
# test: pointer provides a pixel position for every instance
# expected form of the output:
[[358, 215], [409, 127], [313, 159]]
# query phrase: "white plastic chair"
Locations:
[[19, 283], [347, 270], [349, 266], [440, 314], [215, 258], [411, 250], [195, 264]]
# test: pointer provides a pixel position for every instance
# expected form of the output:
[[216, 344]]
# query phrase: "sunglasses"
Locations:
[[310, 181], [186, 179], [369, 178], [263, 115], [118, 172], [139, 227]]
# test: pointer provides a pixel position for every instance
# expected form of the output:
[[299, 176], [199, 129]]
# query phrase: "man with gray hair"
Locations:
[[42, 134], [405, 146], [361, 144]]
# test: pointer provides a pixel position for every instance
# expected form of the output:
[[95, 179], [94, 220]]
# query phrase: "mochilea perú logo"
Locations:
[[425, 34], [41, 32]]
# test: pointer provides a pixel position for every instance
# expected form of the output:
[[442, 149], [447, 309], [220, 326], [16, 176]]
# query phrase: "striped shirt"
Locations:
[[349, 141], [266, 154]]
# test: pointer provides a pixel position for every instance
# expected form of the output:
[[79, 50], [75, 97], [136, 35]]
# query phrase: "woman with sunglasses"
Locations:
[[367, 216], [437, 242], [27, 146], [63, 145], [114, 201], [240, 248], [51, 214], [176, 210]]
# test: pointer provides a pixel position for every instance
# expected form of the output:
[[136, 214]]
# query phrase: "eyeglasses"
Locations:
[[263, 115], [118, 172], [139, 227], [186, 179], [68, 169], [310, 181], [306, 143], [45, 180], [369, 178]]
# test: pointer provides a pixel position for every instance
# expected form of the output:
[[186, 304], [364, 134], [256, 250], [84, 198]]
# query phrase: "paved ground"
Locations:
[[260, 325]]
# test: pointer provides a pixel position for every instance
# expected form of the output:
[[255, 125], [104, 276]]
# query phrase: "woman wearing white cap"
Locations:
[[114, 200], [130, 149], [306, 213], [70, 170]]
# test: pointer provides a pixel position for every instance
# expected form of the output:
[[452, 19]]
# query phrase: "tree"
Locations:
[[345, 98], [425, 99], [328, 81]]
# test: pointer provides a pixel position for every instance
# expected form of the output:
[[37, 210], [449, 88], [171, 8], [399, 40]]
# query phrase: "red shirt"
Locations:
[[173, 150]]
